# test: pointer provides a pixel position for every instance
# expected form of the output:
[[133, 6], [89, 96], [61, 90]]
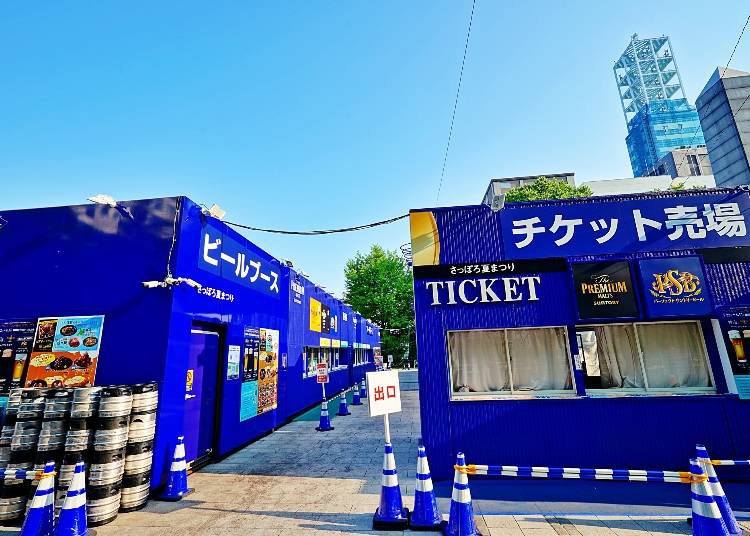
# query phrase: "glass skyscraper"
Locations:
[[658, 116]]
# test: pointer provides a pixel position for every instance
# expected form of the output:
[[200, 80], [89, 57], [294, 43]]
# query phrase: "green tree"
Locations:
[[544, 188], [379, 286]]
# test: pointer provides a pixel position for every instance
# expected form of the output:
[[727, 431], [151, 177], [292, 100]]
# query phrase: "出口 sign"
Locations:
[[383, 392]]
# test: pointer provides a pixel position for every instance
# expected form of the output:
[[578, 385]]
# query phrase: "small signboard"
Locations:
[[384, 392], [322, 372]]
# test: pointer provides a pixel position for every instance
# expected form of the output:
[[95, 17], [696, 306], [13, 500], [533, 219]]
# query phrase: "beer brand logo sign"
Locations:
[[604, 290], [675, 286]]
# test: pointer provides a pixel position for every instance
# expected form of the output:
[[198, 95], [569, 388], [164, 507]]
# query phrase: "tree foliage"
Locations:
[[379, 286], [544, 188]]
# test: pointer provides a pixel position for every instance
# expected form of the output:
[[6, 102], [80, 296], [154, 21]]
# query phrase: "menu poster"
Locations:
[[736, 331], [268, 372], [251, 354], [65, 351], [16, 339]]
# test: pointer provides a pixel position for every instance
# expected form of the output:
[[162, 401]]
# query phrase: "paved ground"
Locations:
[[301, 482]]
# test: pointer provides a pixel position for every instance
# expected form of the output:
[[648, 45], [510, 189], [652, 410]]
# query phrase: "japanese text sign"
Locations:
[[322, 372], [228, 259], [656, 224], [675, 286], [384, 392]]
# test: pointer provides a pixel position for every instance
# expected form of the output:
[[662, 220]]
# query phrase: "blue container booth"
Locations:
[[607, 332], [230, 339]]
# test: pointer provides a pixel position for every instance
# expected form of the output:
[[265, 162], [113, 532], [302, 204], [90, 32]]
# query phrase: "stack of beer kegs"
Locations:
[[136, 482], [108, 457], [51, 442], [84, 406], [23, 448], [12, 492]]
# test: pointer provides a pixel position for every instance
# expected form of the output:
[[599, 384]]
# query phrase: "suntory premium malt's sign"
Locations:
[[604, 290]]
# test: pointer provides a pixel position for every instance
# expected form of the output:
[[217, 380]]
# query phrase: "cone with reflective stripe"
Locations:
[[72, 520], [177, 484], [425, 515], [363, 389], [343, 408], [355, 397], [717, 491], [40, 519], [325, 420], [391, 514], [706, 516], [461, 517]]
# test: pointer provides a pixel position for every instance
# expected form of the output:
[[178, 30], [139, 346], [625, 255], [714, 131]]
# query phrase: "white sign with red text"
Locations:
[[383, 392], [322, 370]]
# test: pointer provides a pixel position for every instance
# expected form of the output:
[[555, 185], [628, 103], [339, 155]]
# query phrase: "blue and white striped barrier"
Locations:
[[631, 475], [22, 474], [730, 462]]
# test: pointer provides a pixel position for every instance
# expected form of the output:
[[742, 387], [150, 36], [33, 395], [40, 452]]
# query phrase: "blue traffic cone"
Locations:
[[717, 491], [40, 519], [425, 515], [325, 420], [706, 518], [177, 484], [72, 520], [461, 518], [391, 514], [363, 389], [355, 397], [343, 408]]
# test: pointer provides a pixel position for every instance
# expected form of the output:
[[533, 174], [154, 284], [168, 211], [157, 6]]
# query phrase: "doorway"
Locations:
[[204, 356]]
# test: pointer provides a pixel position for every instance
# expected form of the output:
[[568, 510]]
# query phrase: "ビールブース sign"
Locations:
[[383, 392], [322, 370]]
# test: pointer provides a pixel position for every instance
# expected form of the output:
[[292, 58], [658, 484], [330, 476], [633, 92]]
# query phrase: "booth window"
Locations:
[[510, 362], [335, 360], [644, 357], [313, 356]]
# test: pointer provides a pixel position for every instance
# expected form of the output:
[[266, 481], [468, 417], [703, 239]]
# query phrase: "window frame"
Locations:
[[512, 393], [654, 391]]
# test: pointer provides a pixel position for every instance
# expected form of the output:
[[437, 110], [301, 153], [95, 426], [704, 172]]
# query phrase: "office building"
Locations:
[[658, 115], [724, 109], [688, 162]]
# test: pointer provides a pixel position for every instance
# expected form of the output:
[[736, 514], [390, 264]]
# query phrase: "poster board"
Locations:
[[16, 340], [65, 352], [268, 370], [735, 327]]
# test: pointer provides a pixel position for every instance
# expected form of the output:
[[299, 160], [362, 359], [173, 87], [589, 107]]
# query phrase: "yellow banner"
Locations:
[[315, 310], [325, 342]]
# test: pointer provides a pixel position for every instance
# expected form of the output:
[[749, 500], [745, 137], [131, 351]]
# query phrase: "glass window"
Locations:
[[510, 360], [673, 355], [312, 360], [610, 357]]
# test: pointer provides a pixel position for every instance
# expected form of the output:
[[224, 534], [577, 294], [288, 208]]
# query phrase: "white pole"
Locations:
[[387, 427], [324, 390]]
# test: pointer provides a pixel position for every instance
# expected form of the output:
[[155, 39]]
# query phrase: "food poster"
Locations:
[[736, 331], [65, 351], [268, 370], [251, 354], [16, 339]]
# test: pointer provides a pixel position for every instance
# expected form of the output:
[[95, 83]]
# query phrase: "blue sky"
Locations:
[[302, 115]]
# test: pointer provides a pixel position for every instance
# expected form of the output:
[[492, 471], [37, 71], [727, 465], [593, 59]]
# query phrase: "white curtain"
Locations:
[[617, 350], [539, 359], [673, 355], [478, 361]]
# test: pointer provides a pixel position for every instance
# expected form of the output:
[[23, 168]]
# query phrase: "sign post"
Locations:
[[322, 370]]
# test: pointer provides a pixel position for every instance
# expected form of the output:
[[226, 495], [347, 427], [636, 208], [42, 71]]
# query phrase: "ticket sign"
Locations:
[[322, 372], [384, 392]]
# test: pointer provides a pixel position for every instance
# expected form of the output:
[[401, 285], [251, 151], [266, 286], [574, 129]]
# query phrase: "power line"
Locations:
[[731, 56], [455, 102], [321, 231]]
